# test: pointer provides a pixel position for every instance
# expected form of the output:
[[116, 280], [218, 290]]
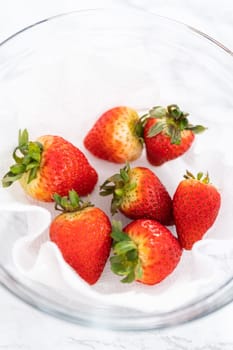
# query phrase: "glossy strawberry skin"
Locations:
[[149, 199], [159, 251], [63, 167], [159, 148], [195, 207], [84, 240], [113, 136]]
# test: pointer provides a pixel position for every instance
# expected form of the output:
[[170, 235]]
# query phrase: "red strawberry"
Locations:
[[50, 165], [138, 193], [114, 136], [82, 233], [145, 251], [196, 205], [168, 134]]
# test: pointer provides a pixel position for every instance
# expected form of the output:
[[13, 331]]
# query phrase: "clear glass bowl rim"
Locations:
[[195, 310]]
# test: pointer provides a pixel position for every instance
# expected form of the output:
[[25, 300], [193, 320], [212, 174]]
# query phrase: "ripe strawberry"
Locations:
[[196, 205], [168, 134], [145, 251], [138, 193], [83, 235], [50, 165], [114, 136]]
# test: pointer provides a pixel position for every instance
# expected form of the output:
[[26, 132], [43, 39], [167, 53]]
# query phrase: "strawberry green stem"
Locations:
[[117, 185], [27, 156], [125, 262], [139, 127], [70, 203], [200, 177], [172, 121]]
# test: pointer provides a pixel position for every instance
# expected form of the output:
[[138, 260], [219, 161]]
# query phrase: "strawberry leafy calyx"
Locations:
[[125, 262], [70, 203], [27, 156], [139, 127], [171, 121], [204, 178], [117, 185]]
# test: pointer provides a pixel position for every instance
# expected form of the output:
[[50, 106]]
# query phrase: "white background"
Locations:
[[22, 327]]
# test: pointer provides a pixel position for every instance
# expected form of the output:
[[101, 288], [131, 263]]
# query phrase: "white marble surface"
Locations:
[[22, 327]]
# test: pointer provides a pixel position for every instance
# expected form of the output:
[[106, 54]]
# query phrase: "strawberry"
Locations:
[[83, 235], [50, 165], [138, 193], [196, 204], [145, 251], [114, 136], [167, 134]]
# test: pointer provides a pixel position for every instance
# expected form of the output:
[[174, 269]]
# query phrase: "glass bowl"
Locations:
[[57, 76]]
